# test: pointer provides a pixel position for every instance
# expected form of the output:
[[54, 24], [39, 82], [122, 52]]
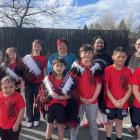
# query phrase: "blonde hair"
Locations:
[[13, 49], [7, 79]]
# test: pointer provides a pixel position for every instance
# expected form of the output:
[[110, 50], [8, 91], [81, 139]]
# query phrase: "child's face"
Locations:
[[62, 48], [11, 54], [36, 47], [99, 44], [86, 56], [119, 58], [8, 88], [59, 68], [137, 45]]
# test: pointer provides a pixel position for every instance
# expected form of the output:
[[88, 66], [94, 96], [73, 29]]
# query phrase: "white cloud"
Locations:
[[72, 16], [69, 15], [60, 2]]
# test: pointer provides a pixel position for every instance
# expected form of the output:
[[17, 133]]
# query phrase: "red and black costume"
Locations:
[[33, 75], [62, 87], [14, 70]]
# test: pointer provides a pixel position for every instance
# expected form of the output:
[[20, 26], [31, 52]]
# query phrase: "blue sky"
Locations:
[[85, 2], [77, 13]]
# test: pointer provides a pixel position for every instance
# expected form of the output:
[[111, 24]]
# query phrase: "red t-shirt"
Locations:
[[12, 66], [10, 107], [42, 63], [136, 81], [117, 81], [86, 84], [57, 83]]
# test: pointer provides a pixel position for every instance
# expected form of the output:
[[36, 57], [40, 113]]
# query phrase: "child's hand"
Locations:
[[55, 95], [15, 128], [122, 101], [86, 101], [117, 103]]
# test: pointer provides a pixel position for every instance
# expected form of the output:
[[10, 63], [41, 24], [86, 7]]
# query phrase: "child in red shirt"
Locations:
[[35, 64], [136, 101], [118, 90], [88, 87], [12, 107], [12, 66], [54, 83]]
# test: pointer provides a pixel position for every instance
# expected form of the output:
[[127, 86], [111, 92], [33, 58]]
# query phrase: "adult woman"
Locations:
[[62, 47], [99, 45]]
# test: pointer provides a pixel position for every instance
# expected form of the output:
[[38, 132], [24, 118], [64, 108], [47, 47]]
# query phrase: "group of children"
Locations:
[[83, 83]]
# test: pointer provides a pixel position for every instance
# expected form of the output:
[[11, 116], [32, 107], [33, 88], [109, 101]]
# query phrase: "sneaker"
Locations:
[[36, 123], [29, 124]]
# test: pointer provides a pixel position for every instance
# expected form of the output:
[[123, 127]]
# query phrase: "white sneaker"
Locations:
[[36, 123], [29, 124]]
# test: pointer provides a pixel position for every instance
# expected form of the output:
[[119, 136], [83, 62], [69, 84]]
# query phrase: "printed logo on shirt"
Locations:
[[11, 109]]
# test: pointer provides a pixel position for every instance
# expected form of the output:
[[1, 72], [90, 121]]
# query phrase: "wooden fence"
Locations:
[[22, 38]]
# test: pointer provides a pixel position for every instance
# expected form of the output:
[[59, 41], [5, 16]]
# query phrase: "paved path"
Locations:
[[38, 133]]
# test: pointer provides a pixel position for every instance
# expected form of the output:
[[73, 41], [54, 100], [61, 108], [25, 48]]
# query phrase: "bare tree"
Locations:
[[96, 25], [19, 13], [108, 22], [105, 22], [130, 22]]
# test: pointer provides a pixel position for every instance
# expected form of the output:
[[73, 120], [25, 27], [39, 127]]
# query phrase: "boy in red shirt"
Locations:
[[12, 107], [88, 87], [54, 83], [136, 101], [118, 90]]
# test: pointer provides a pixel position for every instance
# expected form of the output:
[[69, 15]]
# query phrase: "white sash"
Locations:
[[96, 66], [66, 88], [12, 74], [30, 63]]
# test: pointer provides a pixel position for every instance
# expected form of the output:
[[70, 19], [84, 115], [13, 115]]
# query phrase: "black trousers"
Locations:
[[8, 134], [32, 111]]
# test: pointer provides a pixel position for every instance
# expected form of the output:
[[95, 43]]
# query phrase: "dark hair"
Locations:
[[120, 50], [59, 60], [97, 37], [85, 48], [38, 41], [62, 40]]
